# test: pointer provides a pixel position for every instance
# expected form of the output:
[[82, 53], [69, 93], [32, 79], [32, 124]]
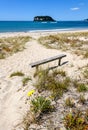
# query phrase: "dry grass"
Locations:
[[67, 42], [56, 82], [11, 45], [76, 120]]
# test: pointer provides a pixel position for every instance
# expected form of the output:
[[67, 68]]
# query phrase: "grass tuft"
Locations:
[[76, 120], [18, 73], [40, 105], [69, 102], [52, 82], [25, 80]]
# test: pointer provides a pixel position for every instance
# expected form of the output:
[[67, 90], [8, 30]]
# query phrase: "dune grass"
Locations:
[[67, 42], [25, 80], [56, 82], [11, 45], [76, 120], [18, 73]]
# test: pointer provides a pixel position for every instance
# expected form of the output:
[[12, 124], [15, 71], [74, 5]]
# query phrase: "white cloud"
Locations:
[[74, 9]]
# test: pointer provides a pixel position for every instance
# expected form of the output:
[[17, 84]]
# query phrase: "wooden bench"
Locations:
[[36, 64]]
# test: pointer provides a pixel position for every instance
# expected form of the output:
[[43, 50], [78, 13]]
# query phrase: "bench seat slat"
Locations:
[[47, 60]]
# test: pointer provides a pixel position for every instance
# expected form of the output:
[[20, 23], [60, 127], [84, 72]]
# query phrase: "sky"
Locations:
[[58, 9]]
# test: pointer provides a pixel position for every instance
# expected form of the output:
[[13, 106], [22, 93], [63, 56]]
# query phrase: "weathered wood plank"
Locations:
[[48, 60]]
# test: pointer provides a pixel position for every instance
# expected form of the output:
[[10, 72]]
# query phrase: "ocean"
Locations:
[[27, 26]]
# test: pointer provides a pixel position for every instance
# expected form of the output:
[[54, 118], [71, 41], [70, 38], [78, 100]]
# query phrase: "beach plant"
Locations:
[[2, 56], [81, 87], [82, 99], [25, 80], [30, 93], [59, 72], [86, 54], [69, 102], [53, 82], [40, 105], [18, 73], [85, 73], [11, 45], [76, 120], [67, 41]]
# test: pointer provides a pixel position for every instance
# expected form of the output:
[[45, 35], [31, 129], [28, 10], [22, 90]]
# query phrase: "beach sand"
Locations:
[[12, 94]]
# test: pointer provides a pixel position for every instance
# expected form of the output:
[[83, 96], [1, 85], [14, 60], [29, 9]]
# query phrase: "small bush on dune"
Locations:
[[50, 81], [81, 87], [11, 45], [40, 105], [76, 120]]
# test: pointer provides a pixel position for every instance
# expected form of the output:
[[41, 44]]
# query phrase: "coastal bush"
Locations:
[[76, 120], [67, 41], [54, 82], [11, 45], [18, 73], [81, 87], [40, 105]]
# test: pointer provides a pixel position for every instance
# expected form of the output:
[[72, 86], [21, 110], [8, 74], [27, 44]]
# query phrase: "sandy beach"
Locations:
[[13, 96]]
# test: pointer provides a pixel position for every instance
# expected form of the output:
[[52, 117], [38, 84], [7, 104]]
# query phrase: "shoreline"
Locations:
[[41, 32]]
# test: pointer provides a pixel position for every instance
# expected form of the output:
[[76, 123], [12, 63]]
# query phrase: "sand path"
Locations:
[[12, 101]]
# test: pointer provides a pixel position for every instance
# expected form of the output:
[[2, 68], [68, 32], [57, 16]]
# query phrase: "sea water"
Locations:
[[25, 26]]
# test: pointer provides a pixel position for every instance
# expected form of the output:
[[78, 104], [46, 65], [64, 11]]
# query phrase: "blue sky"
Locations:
[[58, 9]]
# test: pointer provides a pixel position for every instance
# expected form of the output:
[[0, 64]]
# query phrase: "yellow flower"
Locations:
[[30, 93]]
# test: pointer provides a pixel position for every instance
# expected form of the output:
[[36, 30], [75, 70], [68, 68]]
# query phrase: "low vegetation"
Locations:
[[81, 87], [18, 73], [40, 105], [76, 120], [69, 102], [25, 80], [54, 81], [11, 45], [82, 99], [74, 42]]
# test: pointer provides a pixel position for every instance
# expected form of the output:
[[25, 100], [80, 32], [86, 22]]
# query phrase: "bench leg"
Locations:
[[59, 62], [37, 67]]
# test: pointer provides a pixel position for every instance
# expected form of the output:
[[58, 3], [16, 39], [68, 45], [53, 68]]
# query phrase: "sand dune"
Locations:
[[12, 94]]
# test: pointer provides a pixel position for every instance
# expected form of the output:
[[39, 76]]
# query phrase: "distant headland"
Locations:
[[85, 19], [43, 19]]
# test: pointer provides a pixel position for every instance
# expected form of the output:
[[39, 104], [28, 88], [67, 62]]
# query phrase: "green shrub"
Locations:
[[40, 105], [75, 120], [81, 87], [50, 81], [18, 73]]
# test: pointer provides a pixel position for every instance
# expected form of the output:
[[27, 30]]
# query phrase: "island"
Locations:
[[43, 19], [86, 20]]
